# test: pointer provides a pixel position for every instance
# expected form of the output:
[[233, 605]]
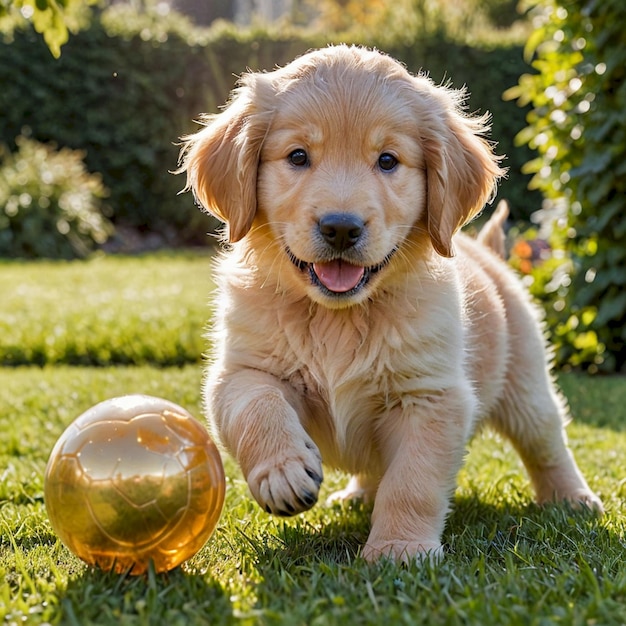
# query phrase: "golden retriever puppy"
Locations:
[[353, 324]]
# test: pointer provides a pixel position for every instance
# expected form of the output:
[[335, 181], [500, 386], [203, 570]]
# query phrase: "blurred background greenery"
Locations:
[[94, 96]]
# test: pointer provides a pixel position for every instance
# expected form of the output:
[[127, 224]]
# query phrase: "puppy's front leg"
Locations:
[[256, 418], [423, 443]]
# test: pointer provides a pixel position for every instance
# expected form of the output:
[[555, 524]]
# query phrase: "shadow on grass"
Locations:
[[310, 566], [103, 598], [334, 536], [474, 528], [311, 572], [533, 533]]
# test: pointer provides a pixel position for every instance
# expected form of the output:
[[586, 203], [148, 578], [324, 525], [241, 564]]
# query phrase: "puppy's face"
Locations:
[[346, 158], [341, 183]]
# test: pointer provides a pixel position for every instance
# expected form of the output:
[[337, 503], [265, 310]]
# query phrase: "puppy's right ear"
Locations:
[[221, 161]]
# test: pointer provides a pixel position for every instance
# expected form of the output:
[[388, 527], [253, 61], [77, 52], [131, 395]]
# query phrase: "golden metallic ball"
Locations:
[[134, 479]]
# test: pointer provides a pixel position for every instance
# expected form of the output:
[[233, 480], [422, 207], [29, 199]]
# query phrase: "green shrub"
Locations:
[[50, 206], [546, 269], [577, 126]]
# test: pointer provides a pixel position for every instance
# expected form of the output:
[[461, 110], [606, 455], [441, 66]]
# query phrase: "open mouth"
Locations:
[[338, 277]]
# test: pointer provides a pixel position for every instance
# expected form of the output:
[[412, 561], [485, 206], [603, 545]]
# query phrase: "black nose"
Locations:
[[341, 230]]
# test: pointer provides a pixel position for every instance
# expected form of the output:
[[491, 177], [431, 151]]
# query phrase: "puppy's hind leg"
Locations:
[[360, 487], [533, 415]]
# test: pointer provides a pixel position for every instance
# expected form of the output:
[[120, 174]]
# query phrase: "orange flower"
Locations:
[[523, 249]]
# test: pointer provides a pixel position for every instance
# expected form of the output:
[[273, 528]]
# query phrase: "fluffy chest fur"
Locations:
[[352, 368]]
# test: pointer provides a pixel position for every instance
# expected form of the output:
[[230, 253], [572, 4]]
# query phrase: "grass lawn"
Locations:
[[508, 562], [123, 310]]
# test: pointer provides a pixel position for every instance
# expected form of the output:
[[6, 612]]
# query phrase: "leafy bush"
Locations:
[[577, 125], [546, 269], [50, 206]]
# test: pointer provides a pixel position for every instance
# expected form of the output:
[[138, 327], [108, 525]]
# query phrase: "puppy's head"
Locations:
[[347, 160]]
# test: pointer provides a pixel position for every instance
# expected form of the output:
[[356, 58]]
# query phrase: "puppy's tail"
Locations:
[[491, 234]]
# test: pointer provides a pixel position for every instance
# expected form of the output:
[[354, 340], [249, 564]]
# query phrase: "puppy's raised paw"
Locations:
[[289, 484]]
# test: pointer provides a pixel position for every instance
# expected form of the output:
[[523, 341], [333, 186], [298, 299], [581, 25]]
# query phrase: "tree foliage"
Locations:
[[53, 19], [577, 126]]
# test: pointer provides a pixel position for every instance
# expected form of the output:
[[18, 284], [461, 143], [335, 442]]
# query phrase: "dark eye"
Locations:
[[299, 158], [387, 161]]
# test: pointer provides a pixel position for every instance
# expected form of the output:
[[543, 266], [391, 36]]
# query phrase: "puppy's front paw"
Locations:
[[288, 484], [402, 551]]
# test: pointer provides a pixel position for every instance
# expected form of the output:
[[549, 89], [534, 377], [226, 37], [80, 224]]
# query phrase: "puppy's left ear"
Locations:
[[221, 160], [462, 170]]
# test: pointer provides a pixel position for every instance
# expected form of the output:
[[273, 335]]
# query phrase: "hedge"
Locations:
[[124, 90]]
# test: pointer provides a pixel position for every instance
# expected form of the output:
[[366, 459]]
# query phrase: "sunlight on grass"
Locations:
[[106, 310]]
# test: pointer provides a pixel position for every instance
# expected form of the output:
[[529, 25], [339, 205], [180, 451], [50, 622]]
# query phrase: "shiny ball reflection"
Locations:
[[134, 479]]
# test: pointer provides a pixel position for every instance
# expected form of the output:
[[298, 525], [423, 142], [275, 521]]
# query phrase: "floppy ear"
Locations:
[[221, 161], [461, 169]]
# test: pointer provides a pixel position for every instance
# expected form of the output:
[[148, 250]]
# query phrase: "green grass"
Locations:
[[136, 310], [507, 562]]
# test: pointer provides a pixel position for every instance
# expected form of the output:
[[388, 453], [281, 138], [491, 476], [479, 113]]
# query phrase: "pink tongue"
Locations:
[[338, 276]]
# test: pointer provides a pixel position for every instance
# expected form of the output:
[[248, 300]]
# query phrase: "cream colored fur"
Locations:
[[389, 380]]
